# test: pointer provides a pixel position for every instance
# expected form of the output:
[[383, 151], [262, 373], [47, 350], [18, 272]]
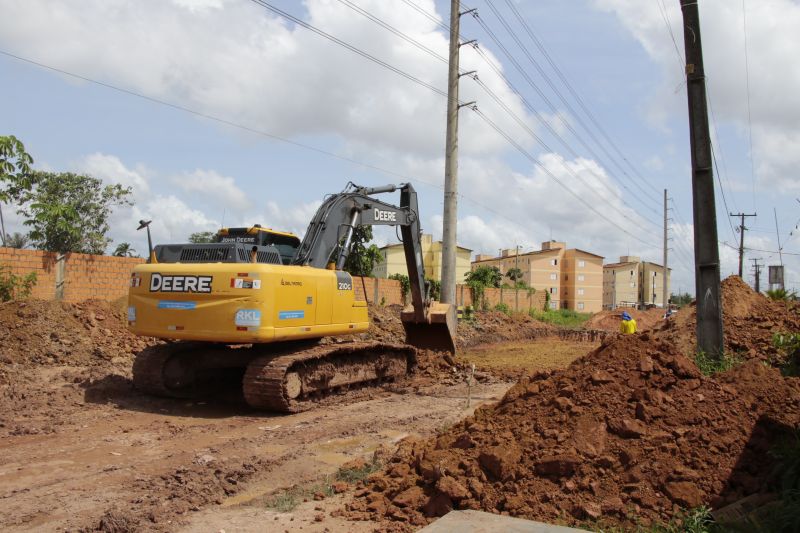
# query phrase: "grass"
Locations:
[[710, 365], [697, 520], [566, 318], [286, 500]]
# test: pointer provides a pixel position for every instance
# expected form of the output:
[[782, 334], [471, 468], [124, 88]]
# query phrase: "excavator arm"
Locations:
[[328, 239]]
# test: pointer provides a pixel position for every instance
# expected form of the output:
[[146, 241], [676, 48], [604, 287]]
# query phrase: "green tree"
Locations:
[[69, 212], [17, 240], [681, 299], [13, 287], [515, 275], [436, 288], [405, 284], [202, 237], [362, 258], [480, 278], [124, 249], [15, 167], [781, 294]]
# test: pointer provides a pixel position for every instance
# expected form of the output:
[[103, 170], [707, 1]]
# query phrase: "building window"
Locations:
[[554, 262], [631, 272], [580, 292], [553, 276], [581, 264], [553, 305], [633, 283], [580, 306], [553, 290], [581, 277]]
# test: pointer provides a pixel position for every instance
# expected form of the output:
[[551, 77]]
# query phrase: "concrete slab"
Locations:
[[480, 522]]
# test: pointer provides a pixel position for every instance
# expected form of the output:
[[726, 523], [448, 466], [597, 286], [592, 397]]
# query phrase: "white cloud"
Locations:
[[213, 186], [110, 169], [774, 72], [245, 64]]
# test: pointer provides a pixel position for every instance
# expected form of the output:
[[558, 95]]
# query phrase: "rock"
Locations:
[[500, 461], [339, 487], [627, 428], [684, 493], [646, 364], [589, 436], [683, 368], [591, 510], [612, 504], [452, 488], [562, 403], [558, 465], [411, 497], [438, 505], [601, 376]]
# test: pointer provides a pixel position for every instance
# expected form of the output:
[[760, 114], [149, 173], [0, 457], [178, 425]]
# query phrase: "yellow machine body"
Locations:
[[243, 302]]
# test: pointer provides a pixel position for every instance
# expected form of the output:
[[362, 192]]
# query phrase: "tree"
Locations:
[[202, 237], [515, 275], [781, 294], [405, 284], [69, 212], [14, 170], [362, 258], [681, 299], [17, 240], [124, 249], [480, 278]]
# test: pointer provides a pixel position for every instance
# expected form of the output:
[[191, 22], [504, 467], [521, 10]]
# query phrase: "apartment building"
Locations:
[[394, 260], [572, 277], [632, 282]]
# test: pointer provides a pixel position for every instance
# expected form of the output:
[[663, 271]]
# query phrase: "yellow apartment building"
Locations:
[[572, 277], [632, 282], [394, 260]]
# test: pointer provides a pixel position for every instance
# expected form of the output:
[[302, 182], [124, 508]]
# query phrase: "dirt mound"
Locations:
[[630, 430], [51, 351], [609, 320], [37, 332], [749, 321]]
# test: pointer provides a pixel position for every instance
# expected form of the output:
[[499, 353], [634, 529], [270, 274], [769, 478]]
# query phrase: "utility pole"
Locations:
[[778, 233], [742, 229], [757, 272], [450, 216], [706, 245], [665, 277]]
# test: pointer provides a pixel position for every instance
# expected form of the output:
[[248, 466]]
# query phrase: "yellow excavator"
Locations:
[[255, 304]]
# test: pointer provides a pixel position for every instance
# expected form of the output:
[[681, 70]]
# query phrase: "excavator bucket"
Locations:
[[438, 330]]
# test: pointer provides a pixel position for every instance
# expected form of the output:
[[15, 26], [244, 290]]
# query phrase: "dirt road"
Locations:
[[134, 462]]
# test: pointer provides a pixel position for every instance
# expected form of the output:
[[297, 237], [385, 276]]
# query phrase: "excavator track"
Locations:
[[184, 369], [293, 381]]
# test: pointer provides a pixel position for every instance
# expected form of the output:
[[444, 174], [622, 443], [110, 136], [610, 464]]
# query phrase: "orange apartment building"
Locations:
[[572, 277], [632, 282]]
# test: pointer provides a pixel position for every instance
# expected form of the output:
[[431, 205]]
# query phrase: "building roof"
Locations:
[[535, 252], [618, 265], [589, 253], [400, 245]]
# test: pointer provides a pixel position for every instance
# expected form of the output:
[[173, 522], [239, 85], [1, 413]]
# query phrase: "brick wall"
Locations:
[[85, 276], [521, 301]]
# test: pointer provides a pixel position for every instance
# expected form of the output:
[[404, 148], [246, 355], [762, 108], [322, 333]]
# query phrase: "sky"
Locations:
[[225, 113]]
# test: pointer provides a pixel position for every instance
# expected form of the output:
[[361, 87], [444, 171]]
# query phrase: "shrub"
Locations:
[[560, 317], [503, 308], [13, 287], [710, 365]]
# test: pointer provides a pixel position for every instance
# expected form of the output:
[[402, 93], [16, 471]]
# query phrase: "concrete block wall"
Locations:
[[23, 262], [523, 300]]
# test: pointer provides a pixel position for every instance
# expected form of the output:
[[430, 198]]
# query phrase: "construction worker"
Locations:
[[628, 324]]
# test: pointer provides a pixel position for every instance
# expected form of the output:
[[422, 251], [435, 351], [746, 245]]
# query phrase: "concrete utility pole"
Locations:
[[778, 233], [757, 273], [665, 298], [742, 229], [450, 216], [706, 245]]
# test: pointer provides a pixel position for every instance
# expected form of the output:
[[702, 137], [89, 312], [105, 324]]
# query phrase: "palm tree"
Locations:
[[124, 250]]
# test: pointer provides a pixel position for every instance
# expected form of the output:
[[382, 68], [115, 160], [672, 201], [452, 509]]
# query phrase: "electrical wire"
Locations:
[[565, 81]]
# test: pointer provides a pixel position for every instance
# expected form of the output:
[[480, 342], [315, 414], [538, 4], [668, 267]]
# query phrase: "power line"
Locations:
[[553, 176], [722, 191], [544, 97], [749, 115], [577, 97], [349, 46]]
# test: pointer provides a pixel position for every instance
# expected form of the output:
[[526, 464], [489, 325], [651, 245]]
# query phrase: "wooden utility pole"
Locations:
[[665, 292], [742, 229], [757, 273], [706, 245], [450, 215]]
